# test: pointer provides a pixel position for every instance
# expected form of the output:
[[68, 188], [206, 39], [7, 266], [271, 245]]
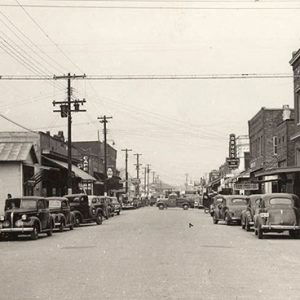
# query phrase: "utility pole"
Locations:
[[104, 121], [66, 112], [126, 168], [148, 171], [153, 177], [138, 172], [145, 179]]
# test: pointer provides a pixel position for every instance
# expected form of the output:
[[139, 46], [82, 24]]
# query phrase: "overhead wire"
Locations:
[[48, 36], [135, 7]]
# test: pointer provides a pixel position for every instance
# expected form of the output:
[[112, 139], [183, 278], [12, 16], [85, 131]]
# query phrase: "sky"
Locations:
[[179, 126]]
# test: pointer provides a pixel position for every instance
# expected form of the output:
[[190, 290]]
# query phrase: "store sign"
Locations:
[[232, 146], [233, 163], [246, 186]]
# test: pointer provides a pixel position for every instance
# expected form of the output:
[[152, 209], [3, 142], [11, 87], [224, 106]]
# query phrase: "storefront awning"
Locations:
[[278, 171], [78, 172]]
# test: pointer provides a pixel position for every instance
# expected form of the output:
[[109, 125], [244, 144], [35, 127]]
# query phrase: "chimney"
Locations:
[[286, 112]]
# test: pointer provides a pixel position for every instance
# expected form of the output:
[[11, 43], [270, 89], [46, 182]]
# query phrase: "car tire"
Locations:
[[227, 220], [118, 213], [260, 234], [247, 226], [99, 219], [34, 235], [293, 234], [243, 223], [215, 220], [61, 226], [161, 207], [71, 227], [185, 207], [77, 220], [50, 232]]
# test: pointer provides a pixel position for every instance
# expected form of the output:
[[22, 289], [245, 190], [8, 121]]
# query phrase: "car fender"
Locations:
[[99, 211], [77, 212], [34, 221], [72, 217]]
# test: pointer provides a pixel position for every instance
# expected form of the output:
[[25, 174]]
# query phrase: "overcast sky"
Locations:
[[180, 126]]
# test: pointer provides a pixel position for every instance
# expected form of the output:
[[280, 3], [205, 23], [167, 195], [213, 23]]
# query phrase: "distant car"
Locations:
[[247, 217], [26, 215], [230, 209], [84, 209], [173, 201], [152, 201], [106, 206], [277, 212], [129, 203], [116, 204], [215, 202], [61, 213]]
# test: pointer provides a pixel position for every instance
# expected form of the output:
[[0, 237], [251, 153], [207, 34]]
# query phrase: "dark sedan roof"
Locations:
[[57, 198]]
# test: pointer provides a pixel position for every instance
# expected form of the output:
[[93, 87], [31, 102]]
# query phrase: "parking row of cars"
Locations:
[[276, 212], [33, 215]]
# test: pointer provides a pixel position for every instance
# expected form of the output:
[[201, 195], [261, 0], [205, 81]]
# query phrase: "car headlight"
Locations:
[[1, 218], [6, 223], [24, 217], [19, 223]]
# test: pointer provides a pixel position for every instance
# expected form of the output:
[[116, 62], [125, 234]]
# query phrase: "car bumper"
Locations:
[[128, 206], [280, 227], [13, 230], [235, 219]]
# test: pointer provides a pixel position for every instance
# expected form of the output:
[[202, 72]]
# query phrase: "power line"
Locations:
[[149, 7], [15, 123], [47, 35], [161, 77]]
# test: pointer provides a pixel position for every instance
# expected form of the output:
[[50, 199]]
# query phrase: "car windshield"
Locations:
[[281, 201], [20, 203], [54, 204], [238, 201]]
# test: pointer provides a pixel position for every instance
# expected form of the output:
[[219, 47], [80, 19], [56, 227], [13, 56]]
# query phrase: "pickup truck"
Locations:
[[174, 201]]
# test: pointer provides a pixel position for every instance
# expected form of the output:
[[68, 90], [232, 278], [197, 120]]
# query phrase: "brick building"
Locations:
[[272, 151]]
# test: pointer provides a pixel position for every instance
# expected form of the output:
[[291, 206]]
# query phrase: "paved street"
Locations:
[[152, 254]]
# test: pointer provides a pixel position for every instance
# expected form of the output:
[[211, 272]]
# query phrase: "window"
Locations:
[[275, 144]]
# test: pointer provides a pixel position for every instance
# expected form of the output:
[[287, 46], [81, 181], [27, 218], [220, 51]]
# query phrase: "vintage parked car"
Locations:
[[173, 201], [128, 202], [61, 213], [85, 210], [215, 202], [230, 209], [247, 217], [116, 204], [26, 215], [106, 206], [277, 212]]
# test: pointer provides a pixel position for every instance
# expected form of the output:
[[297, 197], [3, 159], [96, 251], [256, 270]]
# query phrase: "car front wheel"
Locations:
[[161, 207], [50, 232], [99, 219], [260, 234], [34, 235], [215, 220], [185, 207]]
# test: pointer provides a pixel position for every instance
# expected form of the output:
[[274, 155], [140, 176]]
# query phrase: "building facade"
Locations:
[[272, 150]]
